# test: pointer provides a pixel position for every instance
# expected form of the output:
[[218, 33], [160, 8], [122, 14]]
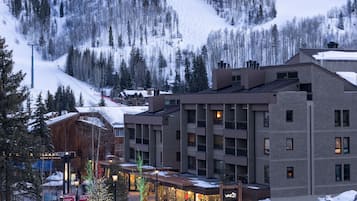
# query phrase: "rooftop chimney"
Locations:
[[332, 44]]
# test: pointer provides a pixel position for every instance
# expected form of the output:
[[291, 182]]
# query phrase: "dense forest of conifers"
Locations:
[[94, 33]]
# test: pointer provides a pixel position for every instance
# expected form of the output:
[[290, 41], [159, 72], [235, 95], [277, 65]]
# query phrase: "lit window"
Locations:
[[338, 145], [219, 115], [266, 146], [191, 139], [290, 172], [289, 144]]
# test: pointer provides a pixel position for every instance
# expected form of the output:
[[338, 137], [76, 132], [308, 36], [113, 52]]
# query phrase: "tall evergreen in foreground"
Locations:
[[17, 149]]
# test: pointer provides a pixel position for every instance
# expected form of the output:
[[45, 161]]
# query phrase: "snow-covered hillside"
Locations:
[[48, 75], [288, 10]]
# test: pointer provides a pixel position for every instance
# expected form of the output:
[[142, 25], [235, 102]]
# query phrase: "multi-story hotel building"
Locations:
[[289, 127]]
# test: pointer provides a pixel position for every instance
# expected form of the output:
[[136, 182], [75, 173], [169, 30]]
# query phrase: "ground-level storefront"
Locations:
[[173, 186]]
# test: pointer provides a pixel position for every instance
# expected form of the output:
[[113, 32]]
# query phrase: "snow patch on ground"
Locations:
[[345, 196], [197, 20]]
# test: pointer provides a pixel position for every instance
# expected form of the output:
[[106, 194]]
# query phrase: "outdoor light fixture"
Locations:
[[115, 179], [219, 115], [156, 172], [76, 184]]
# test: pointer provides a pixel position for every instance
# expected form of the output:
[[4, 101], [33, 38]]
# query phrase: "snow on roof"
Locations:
[[93, 121], [345, 196], [60, 118], [204, 184], [143, 92], [55, 176], [53, 183], [114, 115], [336, 55], [349, 76]]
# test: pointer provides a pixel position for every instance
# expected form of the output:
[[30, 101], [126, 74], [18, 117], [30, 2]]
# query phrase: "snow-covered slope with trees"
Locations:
[[48, 74]]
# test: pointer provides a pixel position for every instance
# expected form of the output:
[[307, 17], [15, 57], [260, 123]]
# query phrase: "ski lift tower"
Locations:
[[32, 63]]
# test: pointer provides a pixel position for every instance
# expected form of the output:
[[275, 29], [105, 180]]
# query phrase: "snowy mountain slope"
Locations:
[[288, 10], [196, 20], [48, 75]]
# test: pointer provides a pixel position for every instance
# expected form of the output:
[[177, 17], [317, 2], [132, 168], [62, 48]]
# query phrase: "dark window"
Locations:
[[201, 143], [191, 162], [338, 145], [292, 75], [346, 172], [266, 119], [290, 172], [346, 145], [308, 88], [230, 146], [160, 157], [218, 167], [337, 118], [289, 116], [160, 133], [338, 172], [191, 116], [282, 75], [131, 133], [178, 156], [289, 144], [178, 135], [287, 75], [266, 174], [236, 78], [346, 118], [132, 153], [191, 139], [217, 142], [266, 146]]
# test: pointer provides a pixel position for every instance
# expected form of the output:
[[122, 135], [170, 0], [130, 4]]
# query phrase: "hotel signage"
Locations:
[[230, 195]]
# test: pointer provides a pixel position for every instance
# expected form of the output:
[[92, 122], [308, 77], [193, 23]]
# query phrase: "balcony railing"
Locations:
[[217, 122], [201, 124], [201, 172], [242, 125], [230, 151], [229, 125], [242, 152], [145, 141], [201, 148]]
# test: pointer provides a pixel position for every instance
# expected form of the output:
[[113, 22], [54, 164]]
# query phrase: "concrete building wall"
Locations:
[[282, 159]]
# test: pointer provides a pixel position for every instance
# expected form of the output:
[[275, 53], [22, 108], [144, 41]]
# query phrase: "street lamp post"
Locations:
[[115, 179], [76, 183], [156, 185]]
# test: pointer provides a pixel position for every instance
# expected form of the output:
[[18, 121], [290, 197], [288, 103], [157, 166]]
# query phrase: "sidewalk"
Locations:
[[134, 196]]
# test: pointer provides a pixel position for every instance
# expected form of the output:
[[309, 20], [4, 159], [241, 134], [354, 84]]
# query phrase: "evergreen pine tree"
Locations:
[[69, 61], [125, 78], [50, 102], [80, 104], [199, 75], [40, 129], [148, 82], [340, 24], [162, 61], [111, 38], [187, 75], [61, 10], [16, 144]]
